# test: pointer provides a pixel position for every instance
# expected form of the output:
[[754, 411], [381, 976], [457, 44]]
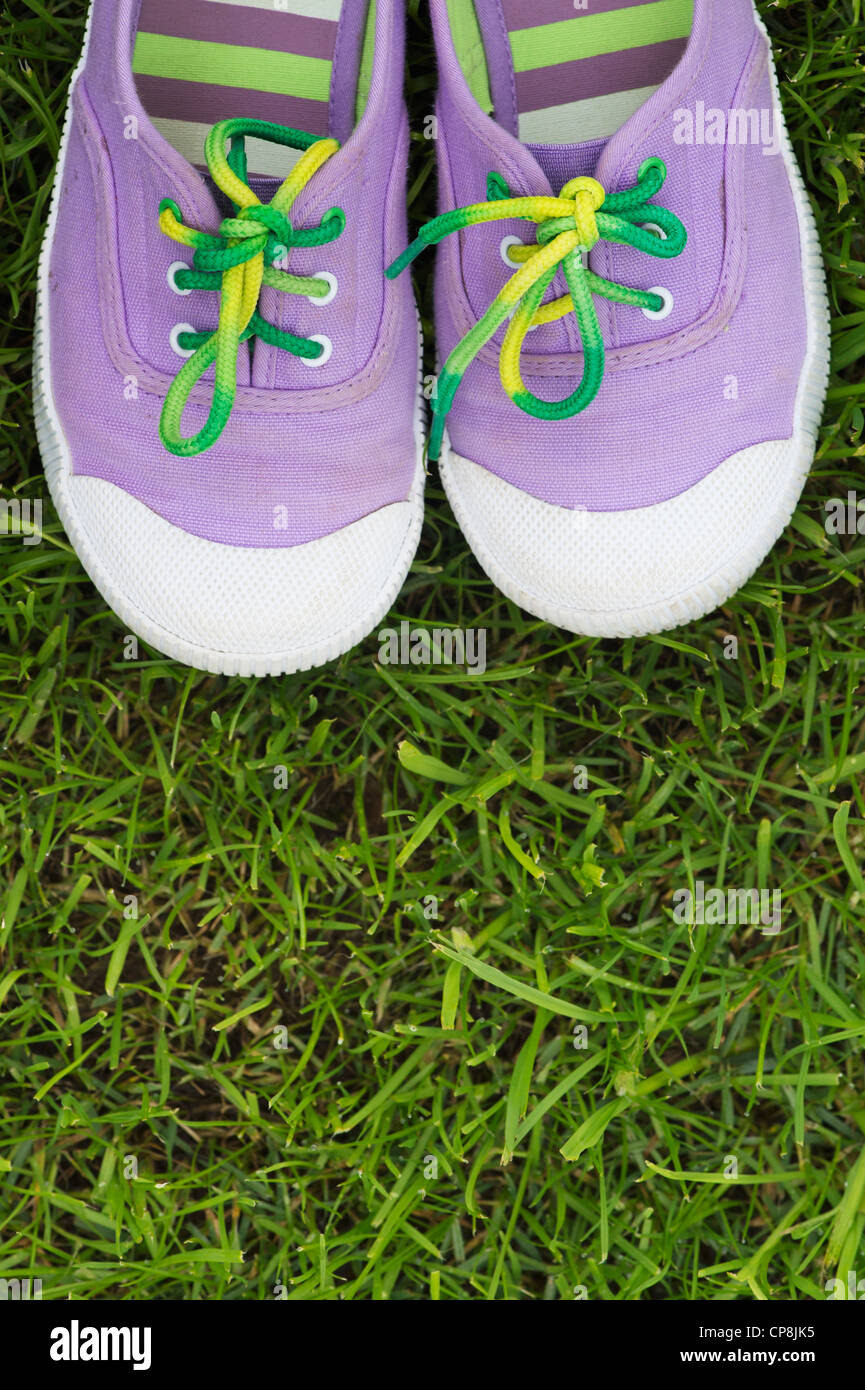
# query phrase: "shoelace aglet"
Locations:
[[436, 436], [411, 253], [446, 386]]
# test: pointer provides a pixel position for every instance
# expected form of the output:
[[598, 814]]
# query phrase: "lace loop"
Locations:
[[238, 261], [568, 227]]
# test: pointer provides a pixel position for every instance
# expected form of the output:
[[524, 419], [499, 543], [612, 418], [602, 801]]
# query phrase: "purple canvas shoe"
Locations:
[[625, 450], [227, 386]]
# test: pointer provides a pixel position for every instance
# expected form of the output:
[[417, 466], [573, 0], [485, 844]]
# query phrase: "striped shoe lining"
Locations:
[[580, 73], [197, 62]]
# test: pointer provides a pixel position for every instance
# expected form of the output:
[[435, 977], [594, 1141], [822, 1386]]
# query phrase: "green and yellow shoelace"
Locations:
[[238, 261], [568, 227]]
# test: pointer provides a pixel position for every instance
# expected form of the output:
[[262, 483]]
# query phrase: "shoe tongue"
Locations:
[[262, 185], [560, 163]]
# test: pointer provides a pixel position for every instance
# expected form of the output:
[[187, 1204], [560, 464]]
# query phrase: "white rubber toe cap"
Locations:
[[627, 573], [234, 610]]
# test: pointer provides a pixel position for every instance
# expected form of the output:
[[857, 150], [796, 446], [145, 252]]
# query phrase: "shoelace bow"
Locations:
[[568, 227], [238, 261]]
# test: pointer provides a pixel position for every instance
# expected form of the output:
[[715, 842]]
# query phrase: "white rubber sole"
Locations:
[[225, 609], [629, 573]]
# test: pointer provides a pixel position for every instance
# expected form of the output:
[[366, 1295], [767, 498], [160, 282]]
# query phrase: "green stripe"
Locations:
[[590, 35], [229, 65], [469, 46]]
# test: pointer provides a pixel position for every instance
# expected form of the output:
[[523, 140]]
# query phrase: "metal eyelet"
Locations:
[[171, 274], [328, 298], [174, 337], [504, 244], [666, 309], [327, 351]]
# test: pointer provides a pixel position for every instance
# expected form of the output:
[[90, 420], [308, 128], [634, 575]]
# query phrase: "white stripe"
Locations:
[[593, 118], [310, 9], [188, 139]]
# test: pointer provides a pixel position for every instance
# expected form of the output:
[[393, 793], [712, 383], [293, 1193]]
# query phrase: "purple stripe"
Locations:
[[598, 77], [275, 31], [207, 102], [528, 14]]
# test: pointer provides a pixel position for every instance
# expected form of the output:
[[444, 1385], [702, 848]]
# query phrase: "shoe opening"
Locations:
[[300, 63], [567, 71]]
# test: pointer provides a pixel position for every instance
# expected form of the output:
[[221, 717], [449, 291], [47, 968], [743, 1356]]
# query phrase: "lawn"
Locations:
[[369, 983]]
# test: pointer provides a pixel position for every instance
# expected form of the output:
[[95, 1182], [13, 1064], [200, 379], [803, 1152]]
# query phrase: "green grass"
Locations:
[[324, 1086]]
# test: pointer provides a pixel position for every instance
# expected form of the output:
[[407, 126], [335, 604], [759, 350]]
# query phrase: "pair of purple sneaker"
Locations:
[[630, 311]]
